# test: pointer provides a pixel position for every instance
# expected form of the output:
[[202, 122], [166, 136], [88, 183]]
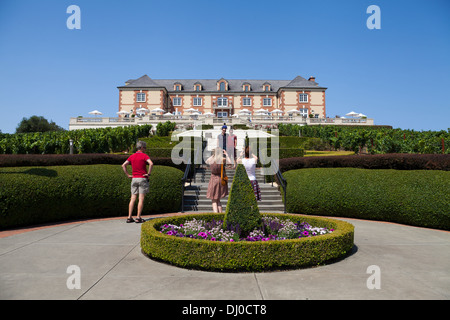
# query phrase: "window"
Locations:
[[222, 102], [197, 102], [246, 102], [222, 86], [140, 97], [197, 87], [266, 88], [267, 102], [303, 97], [304, 112], [177, 101], [223, 114], [246, 87]]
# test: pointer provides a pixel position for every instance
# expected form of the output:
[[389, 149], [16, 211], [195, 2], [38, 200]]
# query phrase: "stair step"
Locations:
[[195, 192]]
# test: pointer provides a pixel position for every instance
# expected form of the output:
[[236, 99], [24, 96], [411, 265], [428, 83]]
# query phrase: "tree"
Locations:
[[37, 124]]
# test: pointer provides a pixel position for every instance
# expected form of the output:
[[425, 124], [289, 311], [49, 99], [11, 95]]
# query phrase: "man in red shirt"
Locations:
[[139, 179]]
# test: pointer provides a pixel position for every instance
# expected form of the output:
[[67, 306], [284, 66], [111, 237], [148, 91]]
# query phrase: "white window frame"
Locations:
[[304, 112], [247, 102], [222, 102], [176, 101], [141, 97], [269, 100], [197, 102], [303, 97]]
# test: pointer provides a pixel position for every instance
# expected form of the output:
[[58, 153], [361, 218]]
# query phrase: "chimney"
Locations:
[[312, 79]]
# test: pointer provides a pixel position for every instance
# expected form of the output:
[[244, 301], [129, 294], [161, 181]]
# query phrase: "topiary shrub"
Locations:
[[242, 212]]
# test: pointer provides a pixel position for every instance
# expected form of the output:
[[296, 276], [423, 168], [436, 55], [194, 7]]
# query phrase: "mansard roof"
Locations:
[[234, 85]]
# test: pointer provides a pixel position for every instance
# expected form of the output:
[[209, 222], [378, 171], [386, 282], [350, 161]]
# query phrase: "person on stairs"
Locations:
[[216, 188], [250, 166]]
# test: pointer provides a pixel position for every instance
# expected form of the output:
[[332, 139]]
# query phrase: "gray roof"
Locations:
[[210, 85]]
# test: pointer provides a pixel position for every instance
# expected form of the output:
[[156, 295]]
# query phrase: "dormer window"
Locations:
[[177, 86], [197, 87], [222, 85], [246, 86], [267, 86]]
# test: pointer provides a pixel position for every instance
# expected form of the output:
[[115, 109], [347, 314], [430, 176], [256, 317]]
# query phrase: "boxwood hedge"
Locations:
[[413, 197], [243, 255], [34, 195]]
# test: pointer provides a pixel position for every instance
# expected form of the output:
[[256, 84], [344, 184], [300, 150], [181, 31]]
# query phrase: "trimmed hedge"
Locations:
[[413, 197], [243, 255], [400, 161], [242, 209], [32, 160], [35, 195]]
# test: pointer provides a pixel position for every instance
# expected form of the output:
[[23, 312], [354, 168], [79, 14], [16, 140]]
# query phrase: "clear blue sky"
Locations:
[[398, 75]]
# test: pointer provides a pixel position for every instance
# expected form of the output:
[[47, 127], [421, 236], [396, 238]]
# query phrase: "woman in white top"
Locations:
[[250, 166]]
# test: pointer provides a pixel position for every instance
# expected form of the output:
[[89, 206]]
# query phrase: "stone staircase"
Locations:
[[195, 193]]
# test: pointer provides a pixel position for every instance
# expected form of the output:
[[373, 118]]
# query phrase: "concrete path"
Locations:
[[413, 263]]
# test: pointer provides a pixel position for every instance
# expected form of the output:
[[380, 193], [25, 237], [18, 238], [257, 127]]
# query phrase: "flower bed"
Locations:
[[273, 228], [251, 253]]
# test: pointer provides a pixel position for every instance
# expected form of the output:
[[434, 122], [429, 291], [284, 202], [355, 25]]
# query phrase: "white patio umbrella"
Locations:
[[352, 114], [261, 111], [141, 110], [235, 115], [244, 111], [277, 111], [95, 112], [191, 110], [157, 110], [293, 111], [123, 112], [362, 115], [208, 114], [168, 114]]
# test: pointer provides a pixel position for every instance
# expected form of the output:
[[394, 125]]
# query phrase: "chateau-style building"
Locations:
[[223, 97]]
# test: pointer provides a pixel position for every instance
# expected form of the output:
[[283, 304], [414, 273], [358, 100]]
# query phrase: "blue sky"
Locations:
[[398, 75]]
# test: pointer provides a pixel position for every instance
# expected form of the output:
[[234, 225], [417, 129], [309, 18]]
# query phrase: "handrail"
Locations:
[[187, 176], [183, 182], [282, 181]]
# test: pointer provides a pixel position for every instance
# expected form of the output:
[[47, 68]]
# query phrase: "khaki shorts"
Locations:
[[139, 185]]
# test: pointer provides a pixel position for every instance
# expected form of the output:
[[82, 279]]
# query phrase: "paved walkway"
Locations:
[[414, 263]]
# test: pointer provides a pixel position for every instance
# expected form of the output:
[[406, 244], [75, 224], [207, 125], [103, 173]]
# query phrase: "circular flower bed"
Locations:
[[273, 228], [286, 241]]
